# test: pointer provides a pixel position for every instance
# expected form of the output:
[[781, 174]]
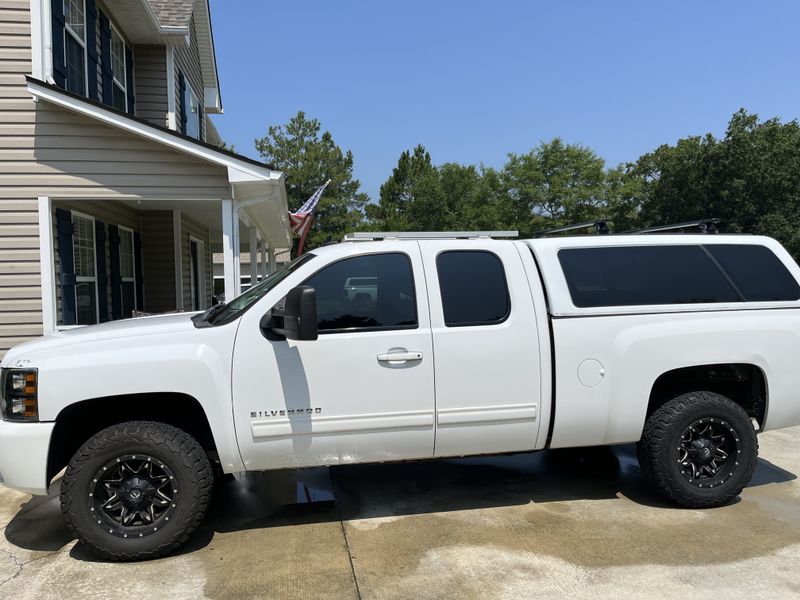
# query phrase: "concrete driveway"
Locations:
[[555, 524]]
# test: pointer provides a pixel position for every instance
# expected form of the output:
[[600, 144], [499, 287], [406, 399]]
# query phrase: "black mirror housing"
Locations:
[[299, 315]]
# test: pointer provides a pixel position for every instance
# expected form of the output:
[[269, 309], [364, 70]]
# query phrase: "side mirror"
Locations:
[[299, 315]]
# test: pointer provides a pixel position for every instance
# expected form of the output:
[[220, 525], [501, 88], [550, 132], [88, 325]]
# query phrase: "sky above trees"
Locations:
[[474, 81]]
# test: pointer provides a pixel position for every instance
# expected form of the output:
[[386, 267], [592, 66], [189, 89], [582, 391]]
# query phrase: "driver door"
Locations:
[[363, 391]]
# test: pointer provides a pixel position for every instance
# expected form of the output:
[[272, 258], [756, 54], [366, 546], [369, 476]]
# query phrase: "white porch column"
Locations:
[[177, 241], [272, 266], [264, 265], [253, 256], [47, 265], [230, 249]]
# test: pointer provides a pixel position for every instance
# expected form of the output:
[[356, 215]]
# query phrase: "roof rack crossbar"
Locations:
[[600, 225], [364, 236], [705, 226]]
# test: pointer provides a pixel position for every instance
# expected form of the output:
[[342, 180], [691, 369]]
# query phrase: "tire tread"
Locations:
[[180, 444], [653, 455]]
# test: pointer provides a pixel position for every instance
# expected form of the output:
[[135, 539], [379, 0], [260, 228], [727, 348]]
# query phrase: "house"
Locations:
[[115, 190]]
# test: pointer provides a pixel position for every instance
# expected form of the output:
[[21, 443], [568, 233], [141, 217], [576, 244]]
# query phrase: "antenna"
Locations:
[[600, 225]]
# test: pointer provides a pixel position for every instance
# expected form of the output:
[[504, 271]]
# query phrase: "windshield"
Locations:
[[238, 305]]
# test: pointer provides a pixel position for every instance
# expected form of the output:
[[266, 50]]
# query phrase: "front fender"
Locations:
[[194, 362]]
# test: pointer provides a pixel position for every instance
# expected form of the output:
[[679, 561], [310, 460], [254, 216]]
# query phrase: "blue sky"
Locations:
[[473, 81]]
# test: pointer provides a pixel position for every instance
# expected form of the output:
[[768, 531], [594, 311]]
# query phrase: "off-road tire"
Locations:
[[176, 449], [658, 448]]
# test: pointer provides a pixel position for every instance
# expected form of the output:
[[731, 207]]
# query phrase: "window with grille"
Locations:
[[83, 248], [75, 45], [119, 72], [127, 271]]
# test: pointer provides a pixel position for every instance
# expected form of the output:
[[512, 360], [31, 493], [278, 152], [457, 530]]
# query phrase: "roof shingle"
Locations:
[[173, 13]]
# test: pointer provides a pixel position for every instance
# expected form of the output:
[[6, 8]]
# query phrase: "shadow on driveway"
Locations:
[[307, 496]]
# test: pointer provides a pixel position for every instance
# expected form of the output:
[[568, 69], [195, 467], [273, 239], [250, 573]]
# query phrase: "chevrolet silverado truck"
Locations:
[[686, 344]]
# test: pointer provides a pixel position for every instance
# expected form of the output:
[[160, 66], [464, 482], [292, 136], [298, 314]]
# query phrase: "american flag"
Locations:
[[300, 220]]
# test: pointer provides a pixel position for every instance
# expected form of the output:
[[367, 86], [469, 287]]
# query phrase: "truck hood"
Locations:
[[121, 330]]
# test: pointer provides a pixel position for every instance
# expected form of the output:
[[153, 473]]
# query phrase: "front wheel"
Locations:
[[137, 490], [699, 449]]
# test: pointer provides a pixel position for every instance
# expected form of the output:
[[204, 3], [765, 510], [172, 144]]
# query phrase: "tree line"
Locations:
[[749, 178]]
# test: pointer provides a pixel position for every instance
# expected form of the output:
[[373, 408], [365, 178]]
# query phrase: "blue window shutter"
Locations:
[[91, 48], [200, 122], [182, 101], [116, 279], [66, 261], [59, 60], [137, 257], [129, 79], [105, 59], [102, 278]]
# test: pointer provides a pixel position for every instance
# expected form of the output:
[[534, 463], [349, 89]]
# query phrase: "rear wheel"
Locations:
[[137, 490], [699, 449]]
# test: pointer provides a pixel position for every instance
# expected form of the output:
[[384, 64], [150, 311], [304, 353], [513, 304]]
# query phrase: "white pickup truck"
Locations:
[[687, 344]]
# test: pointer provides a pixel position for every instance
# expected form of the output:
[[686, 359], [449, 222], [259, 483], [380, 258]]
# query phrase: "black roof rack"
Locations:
[[705, 226], [600, 225]]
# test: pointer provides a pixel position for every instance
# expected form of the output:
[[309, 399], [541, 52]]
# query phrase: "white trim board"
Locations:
[[171, 119]]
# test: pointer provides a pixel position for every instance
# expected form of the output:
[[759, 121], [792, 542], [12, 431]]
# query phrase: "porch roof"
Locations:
[[257, 188]]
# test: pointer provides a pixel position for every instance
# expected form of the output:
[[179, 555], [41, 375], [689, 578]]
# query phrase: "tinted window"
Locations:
[[473, 286], [756, 271], [375, 291], [640, 275]]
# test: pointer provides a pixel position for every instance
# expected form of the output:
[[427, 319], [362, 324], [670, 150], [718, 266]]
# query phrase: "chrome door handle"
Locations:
[[399, 356]]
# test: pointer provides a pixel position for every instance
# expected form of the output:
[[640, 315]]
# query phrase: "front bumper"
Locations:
[[23, 456]]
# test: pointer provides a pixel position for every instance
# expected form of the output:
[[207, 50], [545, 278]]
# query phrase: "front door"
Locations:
[[361, 392]]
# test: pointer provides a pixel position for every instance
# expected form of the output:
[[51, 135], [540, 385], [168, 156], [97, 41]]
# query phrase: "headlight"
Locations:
[[18, 395]]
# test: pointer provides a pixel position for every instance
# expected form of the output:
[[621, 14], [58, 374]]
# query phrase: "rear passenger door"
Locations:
[[486, 347]]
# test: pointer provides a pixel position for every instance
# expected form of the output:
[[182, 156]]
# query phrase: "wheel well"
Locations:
[[743, 383], [78, 422]]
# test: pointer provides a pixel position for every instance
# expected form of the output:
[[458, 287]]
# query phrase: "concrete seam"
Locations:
[[344, 534]]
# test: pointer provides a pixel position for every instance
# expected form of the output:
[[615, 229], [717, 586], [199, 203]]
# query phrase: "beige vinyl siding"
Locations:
[[77, 157], [158, 258], [187, 61], [20, 280], [110, 213], [190, 227], [150, 68]]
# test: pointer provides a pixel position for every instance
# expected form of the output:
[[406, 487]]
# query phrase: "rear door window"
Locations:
[[473, 287]]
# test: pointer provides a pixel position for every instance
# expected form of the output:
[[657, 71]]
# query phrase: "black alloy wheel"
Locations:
[[133, 495]]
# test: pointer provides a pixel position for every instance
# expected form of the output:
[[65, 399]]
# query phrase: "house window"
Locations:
[[75, 45], [191, 112], [119, 92], [84, 251], [127, 271]]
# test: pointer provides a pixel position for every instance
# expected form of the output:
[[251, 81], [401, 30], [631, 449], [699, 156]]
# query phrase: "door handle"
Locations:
[[398, 357]]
